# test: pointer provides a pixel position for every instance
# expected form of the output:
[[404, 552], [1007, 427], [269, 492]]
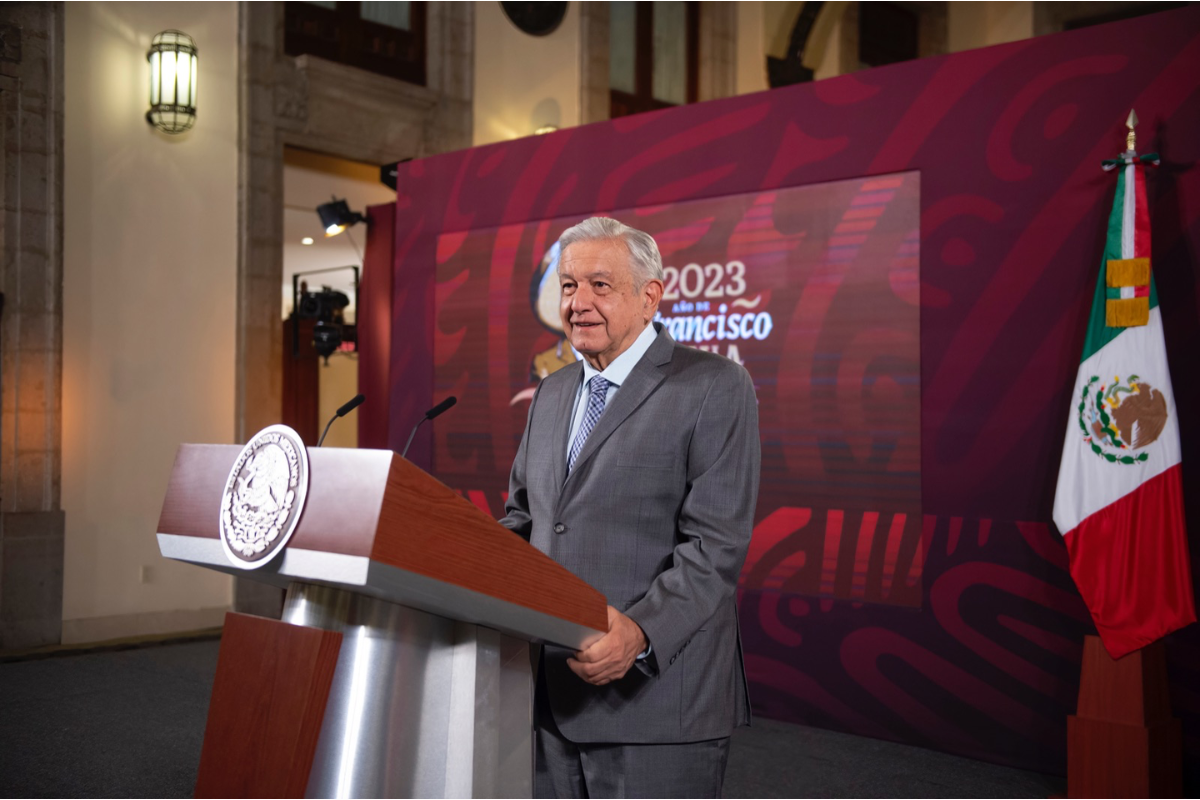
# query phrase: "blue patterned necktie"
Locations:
[[598, 394]]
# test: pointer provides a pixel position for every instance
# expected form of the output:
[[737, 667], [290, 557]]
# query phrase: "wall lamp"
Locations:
[[174, 65], [336, 216]]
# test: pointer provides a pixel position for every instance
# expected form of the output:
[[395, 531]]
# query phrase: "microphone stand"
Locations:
[[436, 411], [341, 412]]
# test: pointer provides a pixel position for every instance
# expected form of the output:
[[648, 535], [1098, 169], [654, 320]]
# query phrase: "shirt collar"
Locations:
[[617, 372]]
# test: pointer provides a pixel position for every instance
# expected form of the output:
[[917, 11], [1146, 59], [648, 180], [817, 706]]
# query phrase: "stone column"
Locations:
[[260, 252], [718, 51], [595, 102], [31, 280], [450, 69]]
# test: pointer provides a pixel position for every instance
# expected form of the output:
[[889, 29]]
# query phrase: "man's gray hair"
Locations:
[[644, 259]]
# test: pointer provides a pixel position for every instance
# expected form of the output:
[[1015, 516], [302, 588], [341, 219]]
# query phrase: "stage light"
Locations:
[[174, 67], [336, 216]]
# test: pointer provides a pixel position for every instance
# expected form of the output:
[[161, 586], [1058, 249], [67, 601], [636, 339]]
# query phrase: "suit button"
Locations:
[[560, 528], [672, 661]]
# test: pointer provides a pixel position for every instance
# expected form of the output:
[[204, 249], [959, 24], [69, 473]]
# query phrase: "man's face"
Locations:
[[602, 311]]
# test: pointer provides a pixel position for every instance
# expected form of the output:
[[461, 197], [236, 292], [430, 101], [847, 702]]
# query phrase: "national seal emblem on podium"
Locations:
[[264, 496]]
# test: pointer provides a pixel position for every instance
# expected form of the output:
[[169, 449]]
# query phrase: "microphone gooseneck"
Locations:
[[346, 408], [436, 411]]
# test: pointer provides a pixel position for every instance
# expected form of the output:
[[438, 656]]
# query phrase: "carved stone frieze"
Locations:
[[358, 114], [10, 43], [291, 95]]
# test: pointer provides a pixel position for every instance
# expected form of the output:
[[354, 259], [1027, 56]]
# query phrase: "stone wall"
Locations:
[[31, 516]]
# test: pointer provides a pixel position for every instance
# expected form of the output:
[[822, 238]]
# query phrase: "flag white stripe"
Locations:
[[1128, 212], [1087, 482]]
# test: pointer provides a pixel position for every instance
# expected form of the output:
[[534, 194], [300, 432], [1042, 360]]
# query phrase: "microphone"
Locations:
[[436, 411], [441, 408], [341, 412]]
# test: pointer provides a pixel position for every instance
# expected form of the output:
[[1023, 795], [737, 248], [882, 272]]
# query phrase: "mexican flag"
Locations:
[[1119, 501]]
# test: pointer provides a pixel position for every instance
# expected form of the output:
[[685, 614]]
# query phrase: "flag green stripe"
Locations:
[[1099, 334]]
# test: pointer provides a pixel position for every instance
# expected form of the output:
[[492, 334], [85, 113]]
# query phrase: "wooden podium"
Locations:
[[402, 665]]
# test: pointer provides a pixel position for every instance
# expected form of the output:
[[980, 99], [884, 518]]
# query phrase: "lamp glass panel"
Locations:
[[670, 52], [155, 76], [195, 72], [622, 46], [183, 79], [392, 14], [168, 77]]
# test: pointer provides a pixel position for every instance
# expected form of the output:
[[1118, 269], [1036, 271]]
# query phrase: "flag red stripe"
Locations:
[[1130, 562], [1141, 215]]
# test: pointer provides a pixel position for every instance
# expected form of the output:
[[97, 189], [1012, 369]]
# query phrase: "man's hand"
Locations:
[[610, 657]]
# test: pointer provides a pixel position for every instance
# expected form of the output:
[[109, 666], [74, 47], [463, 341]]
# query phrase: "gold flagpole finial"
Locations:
[[1131, 123]]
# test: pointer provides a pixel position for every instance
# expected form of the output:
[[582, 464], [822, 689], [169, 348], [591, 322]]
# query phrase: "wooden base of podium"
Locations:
[[268, 702], [1123, 742]]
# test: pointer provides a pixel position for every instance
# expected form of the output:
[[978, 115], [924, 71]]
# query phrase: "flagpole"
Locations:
[[1122, 740]]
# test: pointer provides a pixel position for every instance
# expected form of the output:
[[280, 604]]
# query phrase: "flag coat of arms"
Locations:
[[1119, 500]]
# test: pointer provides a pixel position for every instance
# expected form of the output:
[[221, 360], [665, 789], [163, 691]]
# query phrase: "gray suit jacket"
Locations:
[[657, 515]]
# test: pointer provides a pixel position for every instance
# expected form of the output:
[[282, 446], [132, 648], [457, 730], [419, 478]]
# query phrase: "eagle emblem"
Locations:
[[1120, 417], [264, 496]]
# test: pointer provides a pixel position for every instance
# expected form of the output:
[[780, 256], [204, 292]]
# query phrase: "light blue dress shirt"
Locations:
[[615, 373]]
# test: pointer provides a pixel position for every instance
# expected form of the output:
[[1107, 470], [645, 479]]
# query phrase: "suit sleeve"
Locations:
[[516, 508], [715, 521]]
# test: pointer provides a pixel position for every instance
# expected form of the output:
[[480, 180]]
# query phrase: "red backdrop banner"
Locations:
[[934, 605]]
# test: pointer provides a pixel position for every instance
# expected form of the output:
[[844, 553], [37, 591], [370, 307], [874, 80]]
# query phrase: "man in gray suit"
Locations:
[[638, 471]]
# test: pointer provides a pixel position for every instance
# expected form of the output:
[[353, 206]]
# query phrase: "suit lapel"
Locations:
[[562, 421], [642, 381]]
